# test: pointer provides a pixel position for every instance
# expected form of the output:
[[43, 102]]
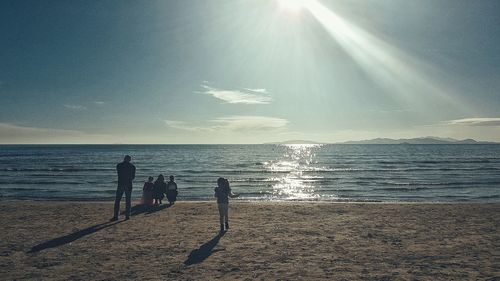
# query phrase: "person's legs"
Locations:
[[118, 198], [226, 215], [128, 201], [221, 216]]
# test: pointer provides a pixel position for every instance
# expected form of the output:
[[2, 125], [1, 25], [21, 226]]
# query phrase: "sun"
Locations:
[[293, 6]]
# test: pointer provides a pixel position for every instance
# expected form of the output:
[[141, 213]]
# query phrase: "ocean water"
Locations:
[[414, 173]]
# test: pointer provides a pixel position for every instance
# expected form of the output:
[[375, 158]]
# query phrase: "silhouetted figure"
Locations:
[[159, 190], [222, 193], [126, 174], [147, 192], [171, 191]]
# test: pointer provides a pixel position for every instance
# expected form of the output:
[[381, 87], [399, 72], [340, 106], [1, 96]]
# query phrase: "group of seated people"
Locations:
[[154, 192]]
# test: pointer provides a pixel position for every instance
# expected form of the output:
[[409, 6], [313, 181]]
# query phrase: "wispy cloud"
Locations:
[[75, 107], [10, 133], [99, 102], [479, 121], [232, 123], [244, 96], [395, 111], [181, 125], [260, 91]]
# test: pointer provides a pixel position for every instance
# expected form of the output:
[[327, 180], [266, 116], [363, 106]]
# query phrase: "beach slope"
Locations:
[[267, 240]]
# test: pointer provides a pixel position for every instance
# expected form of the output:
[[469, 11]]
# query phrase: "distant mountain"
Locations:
[[424, 140]]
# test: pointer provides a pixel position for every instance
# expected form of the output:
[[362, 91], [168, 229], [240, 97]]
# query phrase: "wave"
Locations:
[[454, 183], [354, 173], [400, 189], [56, 169], [495, 196], [61, 182], [444, 161]]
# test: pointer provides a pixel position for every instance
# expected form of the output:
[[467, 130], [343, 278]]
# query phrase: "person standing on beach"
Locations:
[[126, 174], [222, 193]]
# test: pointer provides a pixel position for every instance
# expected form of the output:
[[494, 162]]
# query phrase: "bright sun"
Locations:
[[293, 6]]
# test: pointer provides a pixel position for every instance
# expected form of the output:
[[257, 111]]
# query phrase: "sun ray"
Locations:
[[388, 66], [293, 6]]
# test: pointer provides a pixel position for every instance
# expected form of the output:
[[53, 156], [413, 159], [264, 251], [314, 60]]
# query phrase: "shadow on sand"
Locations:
[[204, 251], [144, 209], [59, 241], [56, 242]]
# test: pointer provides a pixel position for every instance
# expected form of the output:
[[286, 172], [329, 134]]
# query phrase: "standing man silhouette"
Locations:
[[126, 173]]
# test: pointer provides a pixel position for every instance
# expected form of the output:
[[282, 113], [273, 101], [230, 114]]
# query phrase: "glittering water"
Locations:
[[260, 172]]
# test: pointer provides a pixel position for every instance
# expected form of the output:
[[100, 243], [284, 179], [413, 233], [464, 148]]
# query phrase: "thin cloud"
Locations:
[[99, 102], [235, 123], [75, 107], [480, 121], [260, 91], [245, 96], [399, 110], [10, 133], [232, 123], [181, 125]]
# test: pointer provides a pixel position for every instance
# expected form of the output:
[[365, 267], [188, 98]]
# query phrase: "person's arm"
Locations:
[[133, 172], [232, 195]]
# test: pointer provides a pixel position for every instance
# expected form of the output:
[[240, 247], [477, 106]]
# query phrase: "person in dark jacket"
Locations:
[[126, 174], [222, 193], [171, 191], [147, 192], [159, 189]]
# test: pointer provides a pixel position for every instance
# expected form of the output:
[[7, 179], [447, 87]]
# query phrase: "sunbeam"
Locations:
[[399, 73], [293, 6]]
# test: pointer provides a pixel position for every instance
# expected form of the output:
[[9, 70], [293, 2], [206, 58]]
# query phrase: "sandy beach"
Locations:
[[267, 241]]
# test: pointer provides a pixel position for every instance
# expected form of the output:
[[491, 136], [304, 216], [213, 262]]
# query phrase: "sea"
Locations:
[[271, 172]]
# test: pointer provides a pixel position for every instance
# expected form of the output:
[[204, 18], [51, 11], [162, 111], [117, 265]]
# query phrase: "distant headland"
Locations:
[[422, 140]]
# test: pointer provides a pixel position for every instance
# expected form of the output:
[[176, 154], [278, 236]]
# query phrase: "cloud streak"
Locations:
[[476, 122], [185, 126], [245, 96], [232, 123], [260, 90], [75, 107], [10, 133]]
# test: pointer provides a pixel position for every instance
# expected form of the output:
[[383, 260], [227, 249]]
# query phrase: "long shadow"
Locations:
[[204, 251], [144, 209], [56, 242]]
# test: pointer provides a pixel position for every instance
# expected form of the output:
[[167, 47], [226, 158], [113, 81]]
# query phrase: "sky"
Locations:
[[253, 71]]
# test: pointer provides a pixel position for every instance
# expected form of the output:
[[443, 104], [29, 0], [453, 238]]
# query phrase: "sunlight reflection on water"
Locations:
[[293, 184]]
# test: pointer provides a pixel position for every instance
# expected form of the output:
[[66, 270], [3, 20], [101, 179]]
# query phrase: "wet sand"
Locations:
[[268, 241]]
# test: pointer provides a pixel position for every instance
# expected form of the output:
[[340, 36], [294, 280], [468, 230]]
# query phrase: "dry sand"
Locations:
[[297, 241]]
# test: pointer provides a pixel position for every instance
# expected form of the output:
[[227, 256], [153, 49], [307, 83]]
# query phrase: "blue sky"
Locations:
[[231, 71]]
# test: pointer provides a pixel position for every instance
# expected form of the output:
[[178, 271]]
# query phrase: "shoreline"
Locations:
[[136, 201]]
